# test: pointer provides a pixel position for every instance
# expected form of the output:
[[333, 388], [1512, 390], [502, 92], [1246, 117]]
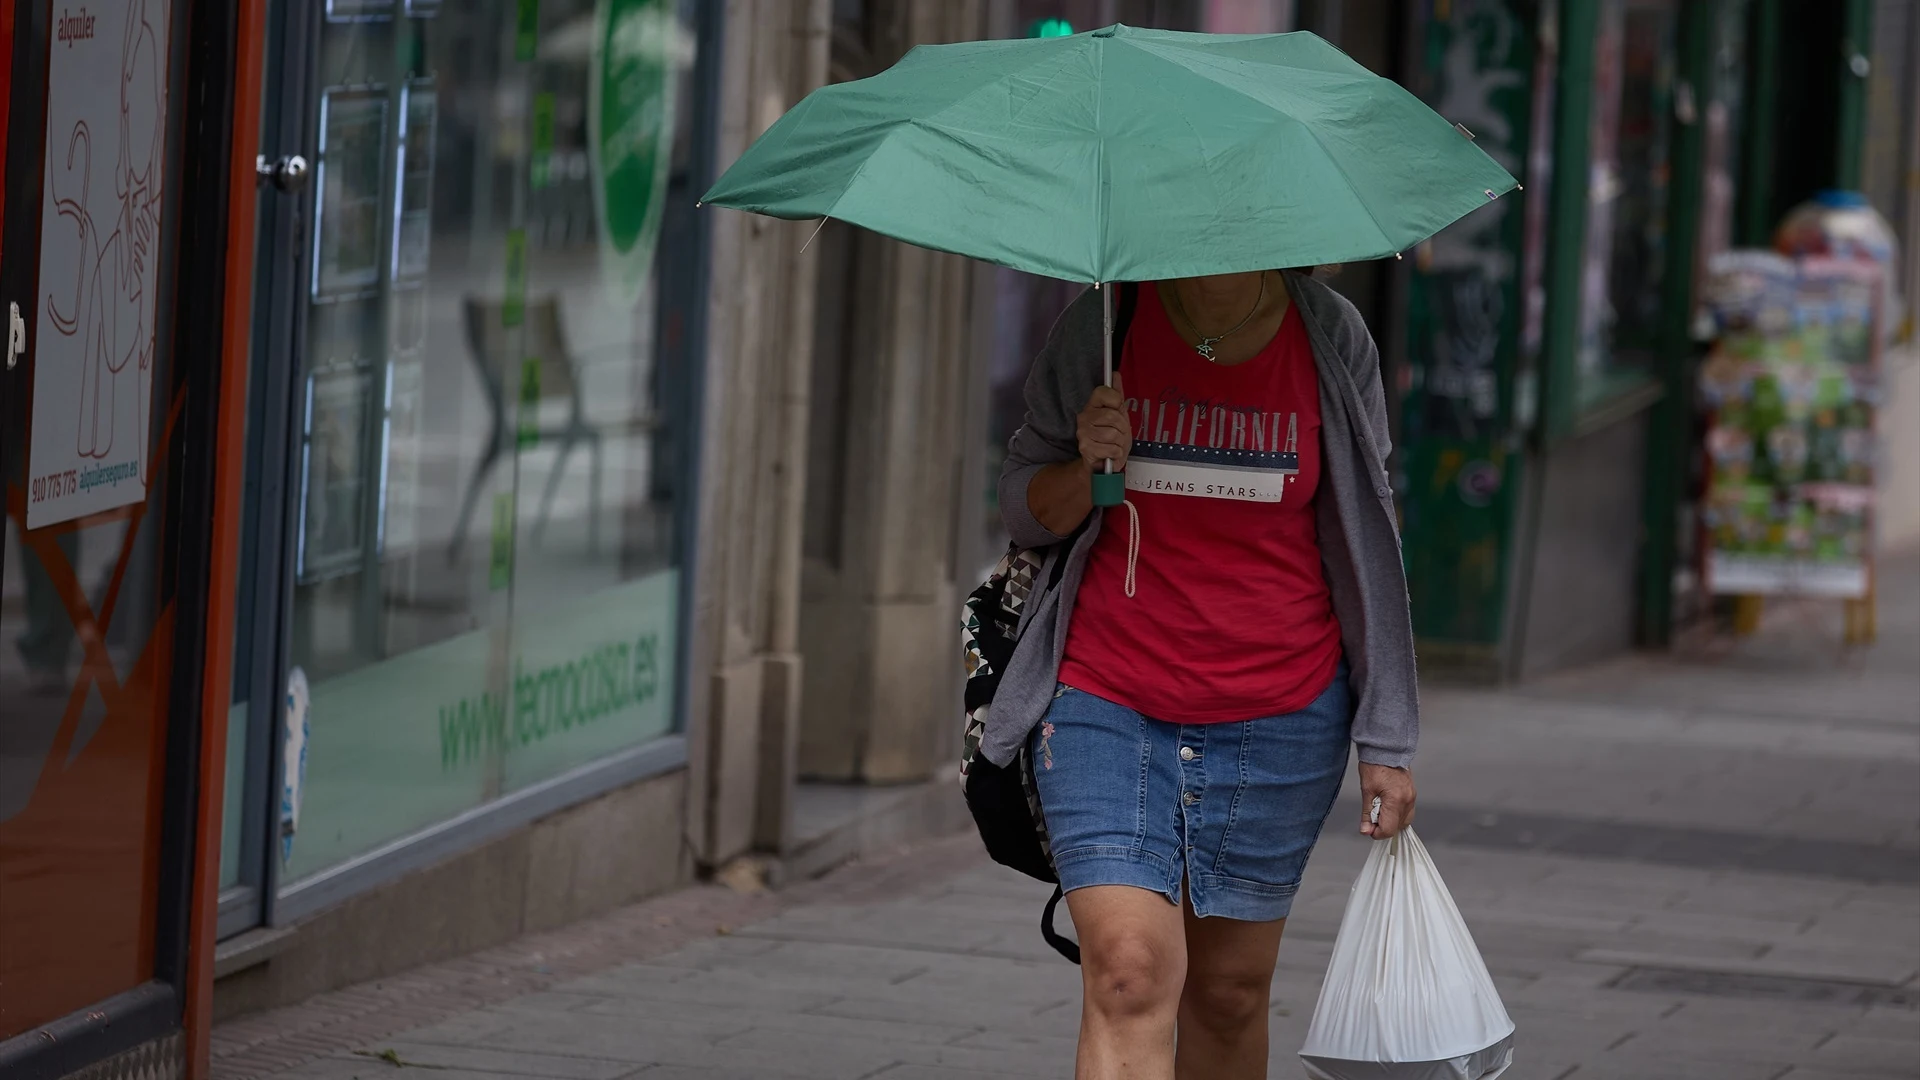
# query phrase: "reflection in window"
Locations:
[[484, 530]]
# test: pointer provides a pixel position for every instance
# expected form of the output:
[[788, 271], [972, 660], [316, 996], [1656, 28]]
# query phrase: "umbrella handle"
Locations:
[[1109, 487]]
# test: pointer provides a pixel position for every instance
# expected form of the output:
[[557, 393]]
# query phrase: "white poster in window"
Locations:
[[93, 351]]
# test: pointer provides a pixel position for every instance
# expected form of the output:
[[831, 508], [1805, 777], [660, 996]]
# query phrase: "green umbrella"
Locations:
[[1123, 155]]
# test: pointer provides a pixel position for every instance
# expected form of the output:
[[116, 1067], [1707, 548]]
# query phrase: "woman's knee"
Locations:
[[1133, 973], [1226, 1001]]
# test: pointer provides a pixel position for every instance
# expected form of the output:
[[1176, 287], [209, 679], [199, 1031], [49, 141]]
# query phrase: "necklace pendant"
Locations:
[[1205, 349]]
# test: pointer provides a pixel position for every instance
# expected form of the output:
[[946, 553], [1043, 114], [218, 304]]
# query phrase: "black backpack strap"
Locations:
[[1123, 305], [1063, 945]]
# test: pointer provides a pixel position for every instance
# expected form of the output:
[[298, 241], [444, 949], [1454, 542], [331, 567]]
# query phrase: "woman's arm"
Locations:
[[1060, 495], [1045, 493]]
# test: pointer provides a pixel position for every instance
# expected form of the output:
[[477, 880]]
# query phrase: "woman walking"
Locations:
[[1215, 646]]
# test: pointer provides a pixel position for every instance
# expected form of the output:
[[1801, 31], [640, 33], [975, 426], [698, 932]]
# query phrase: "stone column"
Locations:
[[744, 694], [879, 619]]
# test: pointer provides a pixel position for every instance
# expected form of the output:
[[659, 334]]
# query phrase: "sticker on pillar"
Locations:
[[639, 49], [99, 250], [293, 776], [1479, 482]]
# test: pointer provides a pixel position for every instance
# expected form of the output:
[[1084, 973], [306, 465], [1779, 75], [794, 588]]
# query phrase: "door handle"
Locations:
[[287, 173]]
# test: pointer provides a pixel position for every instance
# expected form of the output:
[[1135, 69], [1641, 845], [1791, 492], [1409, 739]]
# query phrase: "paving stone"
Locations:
[[1053, 1045], [1756, 1044], [729, 988], [551, 1001], [924, 1072], [929, 1026], [1887, 1023], [1039, 1017], [1798, 1073], [718, 951], [1880, 969], [1820, 1021], [1720, 926], [504, 1062], [711, 1073], [360, 1068], [988, 1062], [631, 1039], [1876, 928], [1861, 1053], [1570, 1036], [1638, 1067]]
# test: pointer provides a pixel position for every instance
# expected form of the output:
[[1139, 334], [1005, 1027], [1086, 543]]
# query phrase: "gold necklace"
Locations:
[[1206, 344]]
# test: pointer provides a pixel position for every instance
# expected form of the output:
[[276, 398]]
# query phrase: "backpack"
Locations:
[[1004, 802]]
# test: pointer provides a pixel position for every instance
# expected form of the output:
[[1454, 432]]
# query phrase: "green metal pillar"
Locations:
[[1856, 50], [1567, 229], [1667, 424]]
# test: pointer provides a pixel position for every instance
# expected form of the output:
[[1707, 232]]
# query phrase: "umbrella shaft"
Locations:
[[1106, 308]]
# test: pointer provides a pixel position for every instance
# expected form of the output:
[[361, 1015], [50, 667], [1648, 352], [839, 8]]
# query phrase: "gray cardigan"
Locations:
[[1359, 537]]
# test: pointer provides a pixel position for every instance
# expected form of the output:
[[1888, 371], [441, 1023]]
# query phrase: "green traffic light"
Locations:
[[1045, 28]]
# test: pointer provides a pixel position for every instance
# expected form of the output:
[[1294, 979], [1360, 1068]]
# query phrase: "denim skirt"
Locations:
[[1229, 812]]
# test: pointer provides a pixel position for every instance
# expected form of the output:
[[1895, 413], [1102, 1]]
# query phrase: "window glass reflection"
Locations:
[[485, 591]]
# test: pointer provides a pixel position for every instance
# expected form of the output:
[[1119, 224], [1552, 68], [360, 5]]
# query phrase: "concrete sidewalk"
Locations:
[[1699, 866]]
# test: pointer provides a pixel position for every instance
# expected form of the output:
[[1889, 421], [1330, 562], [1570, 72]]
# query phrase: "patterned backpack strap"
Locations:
[[989, 623]]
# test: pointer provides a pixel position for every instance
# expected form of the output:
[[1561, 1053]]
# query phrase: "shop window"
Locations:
[[488, 427]]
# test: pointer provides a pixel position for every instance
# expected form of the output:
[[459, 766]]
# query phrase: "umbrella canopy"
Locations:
[[1123, 155]]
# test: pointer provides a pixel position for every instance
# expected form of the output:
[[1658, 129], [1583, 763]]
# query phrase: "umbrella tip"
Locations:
[[1399, 255], [1519, 187]]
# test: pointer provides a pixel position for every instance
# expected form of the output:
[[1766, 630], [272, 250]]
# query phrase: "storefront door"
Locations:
[[84, 637], [106, 406], [468, 421]]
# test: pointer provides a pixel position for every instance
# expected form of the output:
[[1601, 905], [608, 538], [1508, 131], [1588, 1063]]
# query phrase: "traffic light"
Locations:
[[1053, 27]]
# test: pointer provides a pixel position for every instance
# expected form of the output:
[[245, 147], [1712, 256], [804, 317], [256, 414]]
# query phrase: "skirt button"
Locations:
[[1186, 753], [1189, 798]]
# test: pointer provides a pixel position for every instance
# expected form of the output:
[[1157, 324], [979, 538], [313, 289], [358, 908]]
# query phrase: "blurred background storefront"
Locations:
[[1549, 449]]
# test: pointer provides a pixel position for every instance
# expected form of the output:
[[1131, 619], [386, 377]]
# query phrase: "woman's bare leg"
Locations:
[[1133, 956], [1223, 1008]]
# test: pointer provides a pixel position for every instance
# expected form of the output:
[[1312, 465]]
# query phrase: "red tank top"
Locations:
[[1230, 617]]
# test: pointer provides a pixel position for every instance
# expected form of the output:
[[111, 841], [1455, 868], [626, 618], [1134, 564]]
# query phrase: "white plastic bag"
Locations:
[[1407, 996]]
